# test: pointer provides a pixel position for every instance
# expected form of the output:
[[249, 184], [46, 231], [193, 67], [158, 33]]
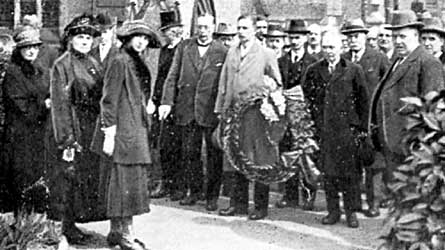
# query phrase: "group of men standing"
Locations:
[[352, 96]]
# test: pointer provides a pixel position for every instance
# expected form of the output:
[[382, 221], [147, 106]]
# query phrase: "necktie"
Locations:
[[331, 68], [355, 57]]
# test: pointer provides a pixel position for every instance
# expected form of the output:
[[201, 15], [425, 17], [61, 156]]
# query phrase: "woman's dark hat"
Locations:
[[433, 25], [275, 30], [104, 21], [354, 26], [139, 27], [404, 19], [297, 26], [84, 24]]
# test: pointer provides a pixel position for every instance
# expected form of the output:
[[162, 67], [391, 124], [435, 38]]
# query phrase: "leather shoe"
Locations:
[[308, 205], [232, 211], [372, 212], [212, 205], [113, 238], [176, 196], [127, 244], [160, 191], [351, 220], [258, 214], [189, 200], [283, 203], [330, 219], [75, 236]]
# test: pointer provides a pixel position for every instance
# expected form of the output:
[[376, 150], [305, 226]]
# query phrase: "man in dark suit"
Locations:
[[166, 134], [314, 41], [105, 50], [432, 37], [292, 67], [414, 73], [375, 65], [384, 42], [336, 92], [190, 89]]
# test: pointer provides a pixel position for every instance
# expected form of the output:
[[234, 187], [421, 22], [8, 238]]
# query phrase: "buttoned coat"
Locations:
[[240, 77], [418, 74], [285, 62], [192, 82], [374, 65], [123, 104], [339, 104]]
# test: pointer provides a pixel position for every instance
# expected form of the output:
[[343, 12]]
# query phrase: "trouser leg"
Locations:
[[261, 196], [191, 157], [350, 185], [240, 193], [332, 197], [214, 166], [291, 189]]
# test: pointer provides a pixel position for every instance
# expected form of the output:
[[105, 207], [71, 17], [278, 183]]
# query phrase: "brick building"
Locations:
[[55, 14]]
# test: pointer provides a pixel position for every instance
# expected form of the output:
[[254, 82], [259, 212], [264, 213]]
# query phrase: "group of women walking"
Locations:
[[57, 116]]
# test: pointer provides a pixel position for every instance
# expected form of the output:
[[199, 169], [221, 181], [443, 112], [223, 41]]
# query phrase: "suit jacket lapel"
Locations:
[[402, 68], [250, 56], [193, 53], [324, 71], [339, 70], [286, 62]]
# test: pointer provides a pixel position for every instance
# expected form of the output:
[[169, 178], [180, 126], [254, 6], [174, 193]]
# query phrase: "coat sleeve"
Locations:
[[222, 87], [432, 77], [61, 107], [272, 68], [170, 84], [113, 86], [361, 98], [31, 107]]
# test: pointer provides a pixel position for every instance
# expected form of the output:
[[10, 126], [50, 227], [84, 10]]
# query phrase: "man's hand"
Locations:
[[151, 108], [164, 111]]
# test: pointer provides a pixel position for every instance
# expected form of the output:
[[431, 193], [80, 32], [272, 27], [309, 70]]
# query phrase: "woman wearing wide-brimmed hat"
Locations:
[[76, 89], [25, 89], [125, 112]]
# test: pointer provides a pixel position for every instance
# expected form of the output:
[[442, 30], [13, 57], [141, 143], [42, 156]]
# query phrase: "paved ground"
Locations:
[[172, 227]]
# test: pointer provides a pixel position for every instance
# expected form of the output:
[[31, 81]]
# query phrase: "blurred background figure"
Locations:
[[432, 37], [275, 37], [106, 48], [226, 33], [344, 44], [261, 29], [314, 41], [384, 41], [371, 37]]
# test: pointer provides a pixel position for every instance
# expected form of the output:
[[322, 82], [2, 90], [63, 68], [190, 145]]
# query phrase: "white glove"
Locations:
[[68, 154], [108, 146], [164, 111], [151, 108], [48, 103]]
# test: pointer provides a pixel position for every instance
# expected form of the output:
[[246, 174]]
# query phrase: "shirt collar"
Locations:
[[299, 54], [359, 53]]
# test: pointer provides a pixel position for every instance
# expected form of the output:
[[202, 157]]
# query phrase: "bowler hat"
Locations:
[[171, 18], [433, 25], [297, 26], [275, 30], [27, 36], [404, 19], [354, 26], [225, 29], [83, 24], [139, 27], [104, 21]]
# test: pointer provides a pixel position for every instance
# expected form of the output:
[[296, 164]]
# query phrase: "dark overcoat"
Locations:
[[374, 64], [123, 104], [418, 74], [192, 82], [339, 106], [292, 77], [25, 121]]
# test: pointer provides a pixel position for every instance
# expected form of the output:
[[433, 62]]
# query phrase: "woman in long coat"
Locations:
[[125, 110], [25, 89], [76, 89]]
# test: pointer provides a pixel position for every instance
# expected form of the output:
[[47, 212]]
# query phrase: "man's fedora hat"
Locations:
[[104, 21], [225, 29], [433, 25], [354, 26], [404, 19], [275, 30], [297, 26]]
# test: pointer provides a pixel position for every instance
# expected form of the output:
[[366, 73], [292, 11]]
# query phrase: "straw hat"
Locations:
[[27, 37]]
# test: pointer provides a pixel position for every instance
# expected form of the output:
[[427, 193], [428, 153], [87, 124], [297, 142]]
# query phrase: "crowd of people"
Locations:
[[83, 118]]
